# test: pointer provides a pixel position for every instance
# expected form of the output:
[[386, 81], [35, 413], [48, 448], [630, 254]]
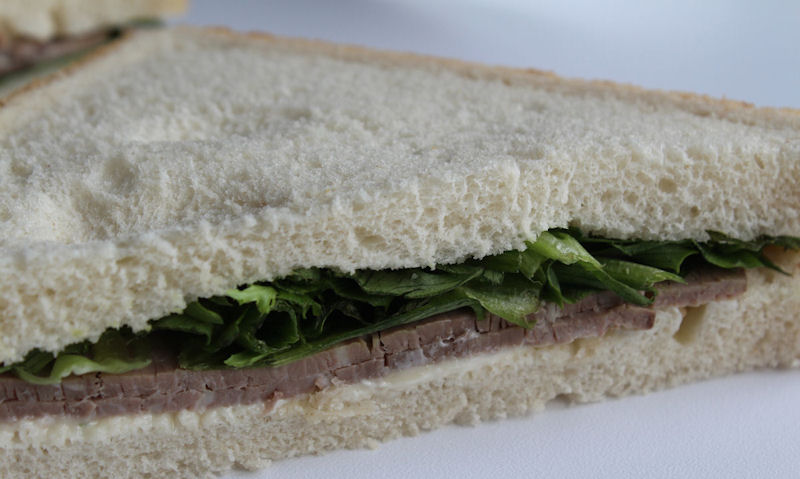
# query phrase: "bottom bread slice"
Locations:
[[760, 328]]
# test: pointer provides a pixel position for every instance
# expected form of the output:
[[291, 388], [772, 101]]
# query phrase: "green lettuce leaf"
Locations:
[[562, 247], [115, 352], [638, 276], [263, 296], [518, 298], [412, 283]]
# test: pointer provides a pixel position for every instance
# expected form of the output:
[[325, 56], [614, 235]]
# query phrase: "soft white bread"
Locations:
[[757, 329], [182, 162], [45, 19]]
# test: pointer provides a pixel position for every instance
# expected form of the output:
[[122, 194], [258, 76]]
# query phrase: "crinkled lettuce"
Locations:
[[277, 322], [116, 352]]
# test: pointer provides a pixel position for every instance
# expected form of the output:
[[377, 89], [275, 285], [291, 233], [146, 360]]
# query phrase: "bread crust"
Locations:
[[699, 104]]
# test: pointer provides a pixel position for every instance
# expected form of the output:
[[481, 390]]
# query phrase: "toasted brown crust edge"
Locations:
[[697, 104]]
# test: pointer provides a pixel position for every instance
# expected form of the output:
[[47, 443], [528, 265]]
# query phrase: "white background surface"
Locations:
[[744, 426]]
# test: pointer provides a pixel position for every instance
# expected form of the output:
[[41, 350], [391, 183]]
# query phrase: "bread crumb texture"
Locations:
[[183, 162], [45, 19], [760, 328]]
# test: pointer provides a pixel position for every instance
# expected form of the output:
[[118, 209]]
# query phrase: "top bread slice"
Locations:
[[176, 164], [46, 19]]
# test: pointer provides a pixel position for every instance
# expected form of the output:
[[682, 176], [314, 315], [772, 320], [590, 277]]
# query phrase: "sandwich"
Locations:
[[221, 249], [37, 31]]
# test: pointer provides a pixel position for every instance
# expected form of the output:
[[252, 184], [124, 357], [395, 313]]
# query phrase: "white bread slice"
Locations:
[[45, 19], [757, 329], [183, 162]]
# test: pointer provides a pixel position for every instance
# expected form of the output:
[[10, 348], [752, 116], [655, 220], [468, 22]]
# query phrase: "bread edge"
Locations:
[[698, 104]]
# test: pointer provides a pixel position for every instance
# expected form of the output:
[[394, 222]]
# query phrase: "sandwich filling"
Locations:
[[20, 52], [271, 340], [165, 387]]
